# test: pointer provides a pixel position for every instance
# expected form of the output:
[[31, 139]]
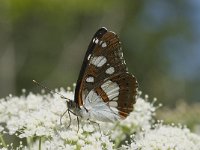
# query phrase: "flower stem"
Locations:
[[40, 143], [2, 141]]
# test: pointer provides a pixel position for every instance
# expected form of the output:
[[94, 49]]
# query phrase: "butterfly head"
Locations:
[[71, 105]]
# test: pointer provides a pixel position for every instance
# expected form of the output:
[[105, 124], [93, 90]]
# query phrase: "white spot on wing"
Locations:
[[92, 96], [100, 42], [92, 99], [121, 55], [96, 41], [98, 61], [90, 79], [89, 57], [110, 70], [111, 89], [124, 62], [104, 44], [115, 99], [113, 104], [113, 95]]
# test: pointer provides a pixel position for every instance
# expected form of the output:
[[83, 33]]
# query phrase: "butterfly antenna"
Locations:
[[51, 91]]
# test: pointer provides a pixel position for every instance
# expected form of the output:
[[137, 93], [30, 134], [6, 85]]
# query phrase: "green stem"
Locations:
[[40, 143], [29, 141], [2, 141]]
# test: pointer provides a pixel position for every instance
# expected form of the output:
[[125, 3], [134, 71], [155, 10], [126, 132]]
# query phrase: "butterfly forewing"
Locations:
[[85, 70], [104, 72]]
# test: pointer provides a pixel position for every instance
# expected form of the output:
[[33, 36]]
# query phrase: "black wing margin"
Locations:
[[99, 34]]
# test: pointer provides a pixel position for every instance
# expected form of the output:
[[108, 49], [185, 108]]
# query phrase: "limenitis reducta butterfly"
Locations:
[[105, 90]]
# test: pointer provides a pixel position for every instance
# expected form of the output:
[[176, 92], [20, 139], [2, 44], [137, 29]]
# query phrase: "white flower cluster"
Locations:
[[36, 117], [165, 137], [140, 119]]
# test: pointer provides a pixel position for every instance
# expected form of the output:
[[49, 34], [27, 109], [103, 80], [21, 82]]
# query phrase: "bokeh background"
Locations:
[[46, 40]]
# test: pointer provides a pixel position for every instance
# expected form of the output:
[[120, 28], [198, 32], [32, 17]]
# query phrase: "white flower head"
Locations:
[[38, 116], [166, 137]]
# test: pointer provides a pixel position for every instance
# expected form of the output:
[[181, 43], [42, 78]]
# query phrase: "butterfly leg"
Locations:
[[78, 123], [96, 124], [76, 118], [70, 120], [63, 115]]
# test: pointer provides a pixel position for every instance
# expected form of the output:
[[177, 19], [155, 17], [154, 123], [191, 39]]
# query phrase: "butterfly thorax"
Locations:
[[81, 112], [73, 107]]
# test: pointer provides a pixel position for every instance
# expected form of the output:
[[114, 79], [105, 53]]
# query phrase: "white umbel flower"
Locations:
[[166, 137], [37, 116]]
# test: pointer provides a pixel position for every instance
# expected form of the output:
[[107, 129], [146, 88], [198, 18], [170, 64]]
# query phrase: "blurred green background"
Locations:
[[46, 40]]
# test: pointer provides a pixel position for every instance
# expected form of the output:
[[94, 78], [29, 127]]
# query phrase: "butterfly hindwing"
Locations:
[[127, 93], [104, 76]]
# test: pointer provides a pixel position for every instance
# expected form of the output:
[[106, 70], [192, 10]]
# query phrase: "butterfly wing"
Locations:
[[104, 83]]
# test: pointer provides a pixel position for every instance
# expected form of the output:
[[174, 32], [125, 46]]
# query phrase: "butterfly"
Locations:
[[105, 90]]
